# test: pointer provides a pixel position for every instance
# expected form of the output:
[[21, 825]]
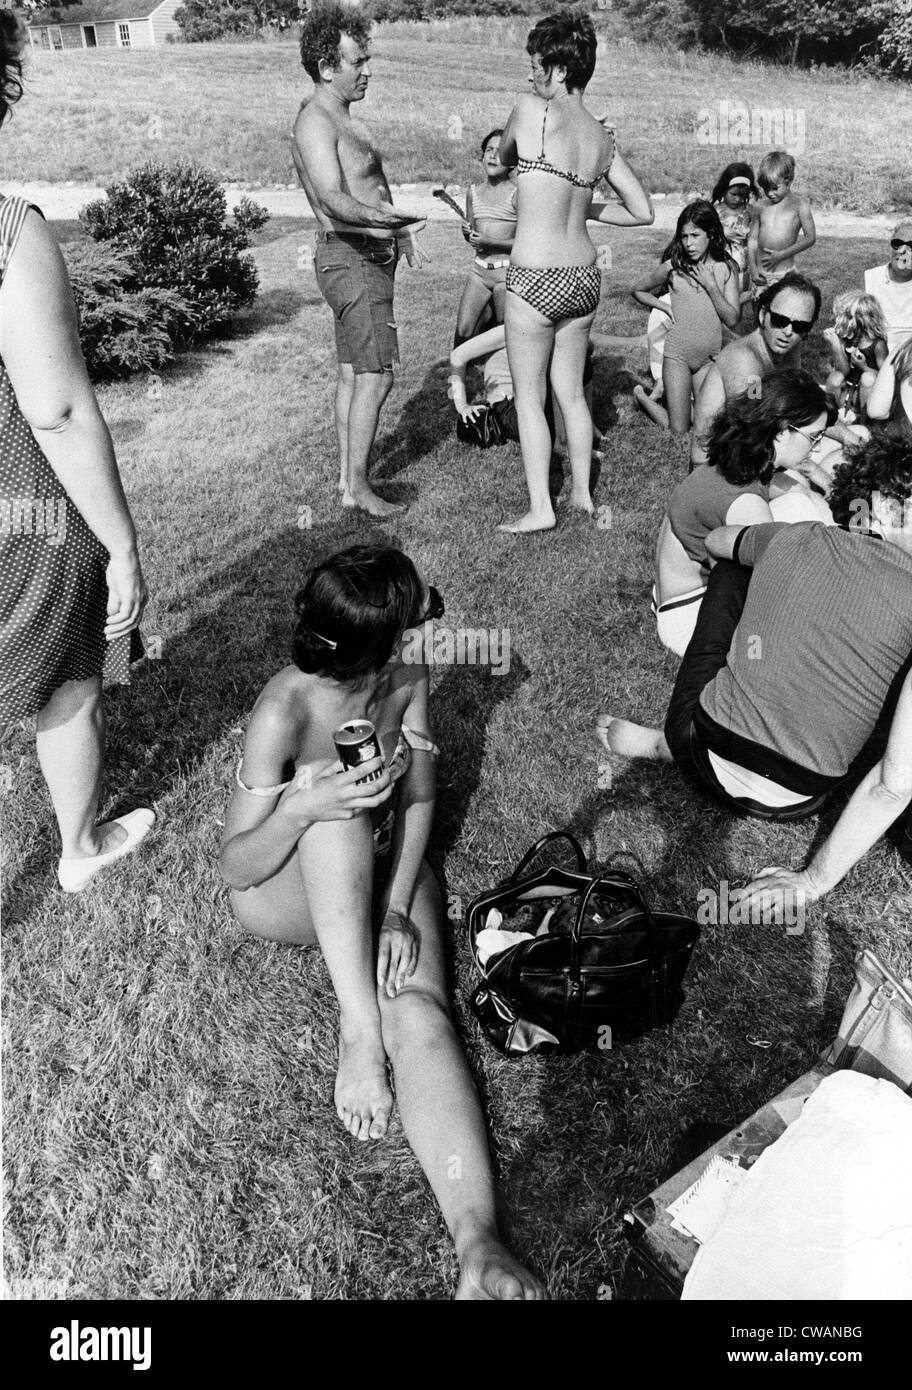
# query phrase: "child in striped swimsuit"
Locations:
[[490, 230]]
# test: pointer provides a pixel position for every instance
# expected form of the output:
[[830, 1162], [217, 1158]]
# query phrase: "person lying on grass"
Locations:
[[314, 855], [797, 682]]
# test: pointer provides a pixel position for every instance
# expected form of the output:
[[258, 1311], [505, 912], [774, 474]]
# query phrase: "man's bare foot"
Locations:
[[632, 740], [363, 1096], [489, 1273], [368, 501], [532, 521]]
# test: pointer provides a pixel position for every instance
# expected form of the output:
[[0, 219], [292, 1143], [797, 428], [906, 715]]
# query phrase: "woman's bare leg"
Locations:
[[323, 893], [70, 742], [568, 364], [441, 1114], [530, 339]]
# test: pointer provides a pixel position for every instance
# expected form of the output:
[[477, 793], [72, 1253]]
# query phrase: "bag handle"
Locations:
[[552, 835], [617, 876]]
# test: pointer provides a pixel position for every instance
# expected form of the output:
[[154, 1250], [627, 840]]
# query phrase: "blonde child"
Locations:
[[857, 344], [782, 224]]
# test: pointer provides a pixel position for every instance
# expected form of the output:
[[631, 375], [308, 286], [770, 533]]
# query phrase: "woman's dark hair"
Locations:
[[883, 464], [741, 444], [792, 281], [321, 33], [703, 215], [12, 40], [738, 170], [565, 41], [352, 611], [498, 130]]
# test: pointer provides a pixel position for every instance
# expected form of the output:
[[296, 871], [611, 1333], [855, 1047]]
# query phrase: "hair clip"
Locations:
[[325, 640]]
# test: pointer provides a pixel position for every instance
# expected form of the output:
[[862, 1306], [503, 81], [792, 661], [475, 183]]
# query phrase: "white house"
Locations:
[[107, 24]]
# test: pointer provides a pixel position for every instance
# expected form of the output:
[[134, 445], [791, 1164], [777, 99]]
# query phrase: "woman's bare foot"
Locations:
[[632, 740], [489, 1273], [363, 1096], [532, 521], [368, 501], [582, 503]]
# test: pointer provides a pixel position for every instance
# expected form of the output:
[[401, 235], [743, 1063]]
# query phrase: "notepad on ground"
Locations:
[[699, 1210]]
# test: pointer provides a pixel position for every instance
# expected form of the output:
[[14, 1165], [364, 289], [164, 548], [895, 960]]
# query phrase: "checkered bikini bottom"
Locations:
[[558, 292]]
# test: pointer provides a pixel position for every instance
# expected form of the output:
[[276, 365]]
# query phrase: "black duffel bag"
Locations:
[[605, 968]]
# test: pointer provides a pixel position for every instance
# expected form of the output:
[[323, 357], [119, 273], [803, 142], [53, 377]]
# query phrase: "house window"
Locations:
[[57, 40], [123, 35], [89, 36]]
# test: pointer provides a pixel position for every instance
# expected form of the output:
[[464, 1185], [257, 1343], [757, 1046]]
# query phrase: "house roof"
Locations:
[[95, 13]]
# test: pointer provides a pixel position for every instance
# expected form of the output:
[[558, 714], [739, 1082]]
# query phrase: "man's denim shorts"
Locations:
[[356, 274]]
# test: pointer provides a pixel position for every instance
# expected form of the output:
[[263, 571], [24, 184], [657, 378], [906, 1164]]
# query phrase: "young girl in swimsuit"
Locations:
[[703, 280], [490, 230], [560, 153], [315, 855], [857, 344], [731, 199]]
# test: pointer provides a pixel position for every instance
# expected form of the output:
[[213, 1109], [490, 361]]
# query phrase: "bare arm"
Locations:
[[415, 810], [708, 404], [753, 245], [461, 356], [320, 171], [883, 795], [880, 400], [262, 831], [39, 344], [509, 154], [635, 208], [653, 280]]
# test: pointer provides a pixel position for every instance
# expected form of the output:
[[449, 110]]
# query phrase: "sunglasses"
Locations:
[[435, 607], [897, 244], [801, 326]]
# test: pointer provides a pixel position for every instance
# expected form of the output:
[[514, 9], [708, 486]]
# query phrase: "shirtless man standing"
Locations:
[[357, 250], [786, 311]]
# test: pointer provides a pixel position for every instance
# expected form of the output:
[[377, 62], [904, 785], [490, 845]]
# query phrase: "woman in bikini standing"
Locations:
[[560, 153]]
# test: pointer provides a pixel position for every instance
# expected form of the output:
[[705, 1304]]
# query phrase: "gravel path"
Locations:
[[62, 201]]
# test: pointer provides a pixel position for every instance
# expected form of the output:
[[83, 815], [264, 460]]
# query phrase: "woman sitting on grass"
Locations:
[[891, 394], [315, 855], [752, 436]]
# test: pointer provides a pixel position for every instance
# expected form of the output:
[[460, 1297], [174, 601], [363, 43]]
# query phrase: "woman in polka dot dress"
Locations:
[[71, 587]]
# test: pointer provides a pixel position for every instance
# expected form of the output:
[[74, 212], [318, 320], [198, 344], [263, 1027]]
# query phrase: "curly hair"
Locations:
[[352, 611], [742, 442], [882, 465], [321, 33], [12, 41], [858, 316], [565, 41], [702, 214], [792, 281]]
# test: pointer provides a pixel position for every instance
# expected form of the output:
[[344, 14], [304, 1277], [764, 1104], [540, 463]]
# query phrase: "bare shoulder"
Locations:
[[314, 121], [281, 707]]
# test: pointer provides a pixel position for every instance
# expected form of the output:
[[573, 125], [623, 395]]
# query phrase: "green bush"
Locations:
[[894, 48], [169, 221], [121, 330]]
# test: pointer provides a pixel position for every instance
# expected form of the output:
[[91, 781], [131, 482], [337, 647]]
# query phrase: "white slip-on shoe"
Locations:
[[75, 874]]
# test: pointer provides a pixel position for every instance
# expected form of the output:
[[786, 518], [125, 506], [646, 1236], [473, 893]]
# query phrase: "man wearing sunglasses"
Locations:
[[787, 311], [891, 286]]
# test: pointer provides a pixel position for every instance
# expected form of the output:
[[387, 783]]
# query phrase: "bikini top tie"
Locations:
[[541, 165]]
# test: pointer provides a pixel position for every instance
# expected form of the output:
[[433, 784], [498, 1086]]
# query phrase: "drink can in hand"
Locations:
[[357, 743]]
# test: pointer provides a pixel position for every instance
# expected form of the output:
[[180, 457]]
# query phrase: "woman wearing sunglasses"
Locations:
[[891, 285], [316, 855]]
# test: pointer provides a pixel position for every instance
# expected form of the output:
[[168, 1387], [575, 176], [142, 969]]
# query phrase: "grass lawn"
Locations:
[[169, 1131], [91, 116]]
